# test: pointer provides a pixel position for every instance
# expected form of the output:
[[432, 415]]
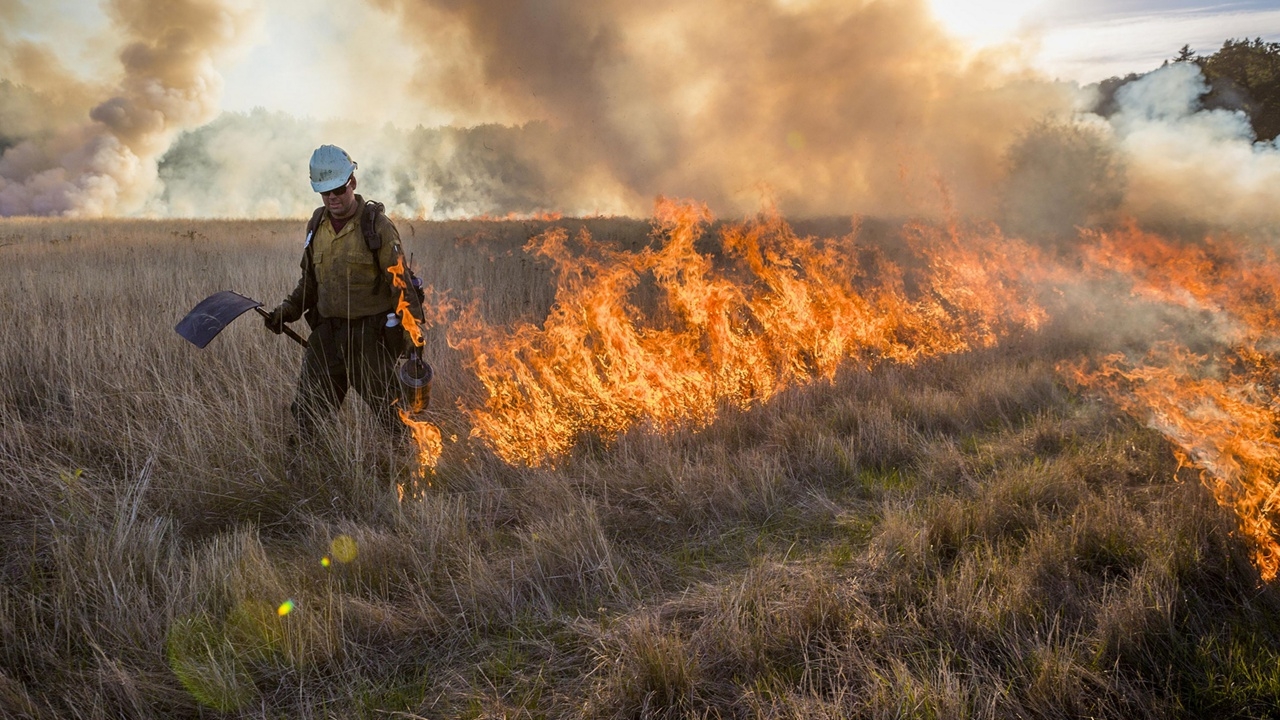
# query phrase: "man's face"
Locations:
[[341, 201]]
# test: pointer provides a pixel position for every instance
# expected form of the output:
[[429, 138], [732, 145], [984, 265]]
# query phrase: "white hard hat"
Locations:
[[330, 168]]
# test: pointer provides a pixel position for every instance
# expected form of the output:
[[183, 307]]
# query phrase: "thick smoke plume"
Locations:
[[1191, 164], [1159, 156], [835, 106], [90, 147], [255, 165], [825, 106]]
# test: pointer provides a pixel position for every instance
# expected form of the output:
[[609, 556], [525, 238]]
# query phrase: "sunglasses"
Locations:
[[338, 191]]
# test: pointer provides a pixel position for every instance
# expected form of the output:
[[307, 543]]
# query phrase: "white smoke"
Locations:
[[1188, 164], [834, 106], [255, 165]]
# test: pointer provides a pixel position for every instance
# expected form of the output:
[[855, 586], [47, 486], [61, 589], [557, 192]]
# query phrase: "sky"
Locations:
[[1089, 40], [210, 108]]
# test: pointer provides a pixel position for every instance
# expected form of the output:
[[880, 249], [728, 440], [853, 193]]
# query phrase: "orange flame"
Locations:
[[430, 447], [774, 309], [425, 434], [402, 306], [785, 310], [1219, 408]]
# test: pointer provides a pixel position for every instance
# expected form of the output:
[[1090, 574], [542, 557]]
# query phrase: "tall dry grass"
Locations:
[[963, 538]]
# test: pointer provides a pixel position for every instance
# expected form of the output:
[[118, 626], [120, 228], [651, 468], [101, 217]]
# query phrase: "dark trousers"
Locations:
[[344, 354]]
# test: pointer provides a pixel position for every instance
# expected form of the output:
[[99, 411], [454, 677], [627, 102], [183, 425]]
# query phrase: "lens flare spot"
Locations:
[[343, 549], [285, 608], [795, 140], [325, 561]]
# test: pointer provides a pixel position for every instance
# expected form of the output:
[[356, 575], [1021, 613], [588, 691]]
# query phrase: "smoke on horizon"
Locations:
[[824, 106], [834, 106]]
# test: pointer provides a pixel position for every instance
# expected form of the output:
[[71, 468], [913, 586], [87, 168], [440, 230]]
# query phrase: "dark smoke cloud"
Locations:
[[826, 106], [83, 147], [836, 106]]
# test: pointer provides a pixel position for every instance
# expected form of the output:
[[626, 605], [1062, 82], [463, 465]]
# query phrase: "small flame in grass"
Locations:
[[430, 446], [398, 275], [547, 216]]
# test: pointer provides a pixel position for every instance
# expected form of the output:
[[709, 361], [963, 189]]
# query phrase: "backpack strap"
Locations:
[[311, 314], [316, 218], [312, 224], [372, 240], [369, 224]]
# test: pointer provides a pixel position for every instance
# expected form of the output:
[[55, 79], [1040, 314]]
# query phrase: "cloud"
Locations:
[[1087, 42]]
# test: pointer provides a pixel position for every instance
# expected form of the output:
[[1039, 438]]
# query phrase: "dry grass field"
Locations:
[[963, 532]]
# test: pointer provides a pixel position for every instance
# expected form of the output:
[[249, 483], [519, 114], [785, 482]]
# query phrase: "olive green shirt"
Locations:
[[338, 273]]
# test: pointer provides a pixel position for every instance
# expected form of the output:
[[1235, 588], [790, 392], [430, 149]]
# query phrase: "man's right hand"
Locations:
[[274, 320]]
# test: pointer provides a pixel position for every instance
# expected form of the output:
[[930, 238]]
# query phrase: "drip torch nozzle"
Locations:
[[414, 375]]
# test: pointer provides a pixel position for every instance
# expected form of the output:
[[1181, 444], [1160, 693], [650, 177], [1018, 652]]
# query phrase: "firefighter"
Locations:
[[349, 298]]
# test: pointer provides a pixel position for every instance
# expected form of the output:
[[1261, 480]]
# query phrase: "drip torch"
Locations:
[[414, 375], [413, 372]]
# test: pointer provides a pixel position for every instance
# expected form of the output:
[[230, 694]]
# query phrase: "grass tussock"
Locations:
[[959, 538]]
